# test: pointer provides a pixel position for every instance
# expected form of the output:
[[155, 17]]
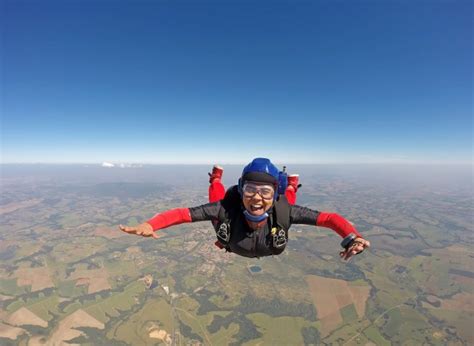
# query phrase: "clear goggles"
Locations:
[[265, 191]]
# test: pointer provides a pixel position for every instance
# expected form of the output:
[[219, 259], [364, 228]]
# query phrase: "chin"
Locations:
[[257, 212]]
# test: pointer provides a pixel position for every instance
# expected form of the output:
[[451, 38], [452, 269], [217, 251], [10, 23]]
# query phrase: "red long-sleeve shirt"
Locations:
[[298, 215]]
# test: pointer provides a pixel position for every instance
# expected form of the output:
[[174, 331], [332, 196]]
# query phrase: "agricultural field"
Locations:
[[68, 275]]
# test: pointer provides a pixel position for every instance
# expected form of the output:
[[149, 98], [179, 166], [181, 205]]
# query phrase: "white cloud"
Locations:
[[107, 164]]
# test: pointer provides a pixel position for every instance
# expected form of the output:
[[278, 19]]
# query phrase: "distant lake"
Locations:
[[255, 269]]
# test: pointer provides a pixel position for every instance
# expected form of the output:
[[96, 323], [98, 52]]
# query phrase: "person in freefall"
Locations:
[[252, 218]]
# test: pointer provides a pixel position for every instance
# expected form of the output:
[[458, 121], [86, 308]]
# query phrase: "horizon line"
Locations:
[[135, 164]]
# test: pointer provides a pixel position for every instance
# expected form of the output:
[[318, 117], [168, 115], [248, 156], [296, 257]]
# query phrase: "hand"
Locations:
[[144, 229], [357, 247]]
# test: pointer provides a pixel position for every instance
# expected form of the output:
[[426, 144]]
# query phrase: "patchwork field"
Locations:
[[95, 279], [68, 275], [9, 332], [11, 207], [67, 328], [153, 321], [37, 278], [332, 296], [23, 316]]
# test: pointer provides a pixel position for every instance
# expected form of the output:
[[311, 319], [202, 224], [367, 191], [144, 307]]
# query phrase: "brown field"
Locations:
[[459, 302], [463, 280], [38, 278], [134, 250], [2, 297], [96, 279], [343, 299], [330, 295], [459, 256], [11, 207], [360, 294], [109, 233], [6, 243], [453, 248], [23, 316], [65, 330], [10, 332], [330, 322]]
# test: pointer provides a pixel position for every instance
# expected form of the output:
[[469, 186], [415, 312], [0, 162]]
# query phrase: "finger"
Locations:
[[350, 253], [129, 230], [154, 235], [363, 242], [346, 255], [123, 228], [360, 244]]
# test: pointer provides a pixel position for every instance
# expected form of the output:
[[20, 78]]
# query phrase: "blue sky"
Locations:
[[224, 81]]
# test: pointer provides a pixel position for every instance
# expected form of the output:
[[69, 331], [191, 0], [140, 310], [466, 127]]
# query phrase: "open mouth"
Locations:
[[255, 208]]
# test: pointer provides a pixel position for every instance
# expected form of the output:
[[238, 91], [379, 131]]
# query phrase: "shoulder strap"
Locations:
[[282, 211], [280, 225], [230, 205]]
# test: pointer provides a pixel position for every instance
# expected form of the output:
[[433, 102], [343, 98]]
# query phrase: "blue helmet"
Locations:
[[264, 171]]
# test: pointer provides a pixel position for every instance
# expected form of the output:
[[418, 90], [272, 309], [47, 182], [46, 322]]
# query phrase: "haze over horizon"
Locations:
[[179, 83]]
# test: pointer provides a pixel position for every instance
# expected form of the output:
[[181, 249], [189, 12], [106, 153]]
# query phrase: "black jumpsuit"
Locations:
[[245, 241]]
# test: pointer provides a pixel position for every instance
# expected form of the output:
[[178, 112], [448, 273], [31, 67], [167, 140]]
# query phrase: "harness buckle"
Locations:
[[223, 233], [279, 239]]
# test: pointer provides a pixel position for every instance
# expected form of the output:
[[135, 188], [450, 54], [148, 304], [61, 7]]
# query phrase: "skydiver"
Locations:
[[252, 218]]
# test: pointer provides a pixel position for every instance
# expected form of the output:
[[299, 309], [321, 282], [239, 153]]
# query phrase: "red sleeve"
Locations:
[[170, 218], [337, 223]]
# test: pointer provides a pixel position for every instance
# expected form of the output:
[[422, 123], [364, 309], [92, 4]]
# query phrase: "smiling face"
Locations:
[[257, 198]]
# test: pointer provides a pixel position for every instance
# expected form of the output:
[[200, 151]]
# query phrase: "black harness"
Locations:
[[279, 217]]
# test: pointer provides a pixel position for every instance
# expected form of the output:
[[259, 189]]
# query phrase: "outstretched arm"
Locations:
[[344, 228], [303, 215], [173, 217], [159, 221], [170, 218], [337, 223]]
